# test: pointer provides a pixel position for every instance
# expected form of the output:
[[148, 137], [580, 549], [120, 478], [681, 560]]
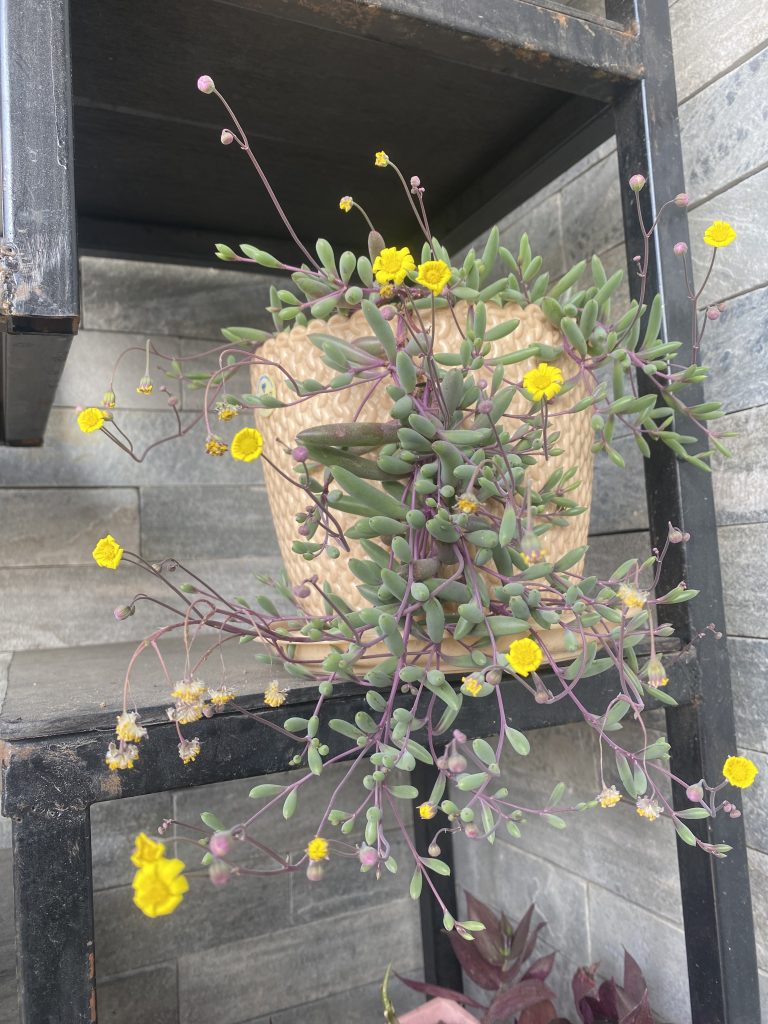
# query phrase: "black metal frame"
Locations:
[[50, 783]]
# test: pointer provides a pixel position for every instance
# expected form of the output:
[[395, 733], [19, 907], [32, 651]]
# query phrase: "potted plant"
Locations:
[[453, 491]]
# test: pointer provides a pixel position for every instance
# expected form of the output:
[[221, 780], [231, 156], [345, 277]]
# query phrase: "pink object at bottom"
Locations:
[[439, 1011]]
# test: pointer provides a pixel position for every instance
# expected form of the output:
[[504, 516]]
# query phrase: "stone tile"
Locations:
[[218, 522], [205, 919], [658, 946], [196, 302], [91, 366], [618, 495], [59, 526], [542, 224], [739, 29], [758, 880], [591, 212], [741, 564], [755, 801], [148, 995], [735, 340], [741, 482], [70, 458], [723, 128], [743, 265], [749, 674], [509, 879], [69, 607], [114, 827], [350, 1007], [9, 1007], [231, 983]]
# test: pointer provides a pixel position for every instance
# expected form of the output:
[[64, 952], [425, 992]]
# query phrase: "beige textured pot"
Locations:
[[295, 352]]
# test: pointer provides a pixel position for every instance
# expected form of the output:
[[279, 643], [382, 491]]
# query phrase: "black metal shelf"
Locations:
[[530, 87]]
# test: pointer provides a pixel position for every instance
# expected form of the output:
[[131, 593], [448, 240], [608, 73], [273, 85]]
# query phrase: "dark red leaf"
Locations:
[[438, 990], [521, 932], [486, 975], [541, 968], [490, 942], [609, 1000], [634, 982], [583, 982], [641, 1014], [531, 944], [541, 1013], [514, 1000]]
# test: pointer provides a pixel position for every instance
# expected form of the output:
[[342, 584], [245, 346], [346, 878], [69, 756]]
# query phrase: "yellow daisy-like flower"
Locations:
[[740, 771], [345, 204], [719, 234], [145, 386], [467, 503], [427, 810], [381, 159], [648, 808], [543, 381], [524, 656], [274, 697], [608, 796], [317, 849], [122, 757], [159, 888], [247, 445], [189, 749], [472, 685], [221, 695], [146, 851], [631, 597], [128, 729], [393, 264], [434, 274], [215, 446], [108, 552], [90, 419]]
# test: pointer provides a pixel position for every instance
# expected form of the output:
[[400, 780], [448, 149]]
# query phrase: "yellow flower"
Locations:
[[109, 401], [532, 548], [740, 771], [608, 796], [221, 695], [719, 234], [128, 729], [189, 749], [247, 445], [108, 552], [215, 446], [472, 685], [544, 381], [631, 597], [91, 419], [467, 503], [648, 808], [656, 674], [122, 757], [274, 697], [524, 656], [387, 291], [434, 274], [145, 386], [381, 160], [317, 849], [427, 811], [225, 412], [393, 264], [345, 203], [146, 851], [188, 690], [159, 888]]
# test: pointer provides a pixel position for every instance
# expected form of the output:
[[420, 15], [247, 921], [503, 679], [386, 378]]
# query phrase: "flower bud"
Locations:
[[109, 400], [493, 676], [713, 313], [676, 535], [300, 453], [457, 763], [485, 406], [415, 181], [433, 850], [387, 312], [219, 873], [367, 856], [471, 831], [227, 138], [695, 793], [637, 182], [315, 871], [205, 84], [680, 249], [124, 612], [218, 844], [682, 199], [459, 736]]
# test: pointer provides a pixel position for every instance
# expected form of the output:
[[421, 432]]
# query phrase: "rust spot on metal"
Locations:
[[91, 965]]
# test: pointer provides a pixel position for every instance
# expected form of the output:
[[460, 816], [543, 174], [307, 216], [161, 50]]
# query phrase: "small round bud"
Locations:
[[471, 831], [218, 844], [713, 313], [493, 676], [457, 763], [433, 850], [173, 401], [680, 249], [205, 84], [301, 591], [485, 406], [637, 182], [676, 535], [415, 181], [219, 873], [124, 612], [695, 793], [300, 453], [315, 872], [387, 312], [227, 138], [682, 199], [459, 736], [721, 306], [367, 856]]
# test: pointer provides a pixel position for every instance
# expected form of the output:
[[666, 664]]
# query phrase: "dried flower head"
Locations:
[[274, 697], [121, 757], [608, 796], [128, 729], [649, 808], [189, 749]]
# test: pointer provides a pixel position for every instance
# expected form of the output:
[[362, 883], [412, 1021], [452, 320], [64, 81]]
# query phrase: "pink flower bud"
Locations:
[[680, 249], [485, 406], [415, 181], [387, 312], [457, 763], [219, 873], [300, 453], [301, 591], [218, 844], [367, 856], [459, 736], [676, 535], [721, 306], [205, 84], [637, 182], [124, 612], [682, 199], [433, 850], [315, 871], [695, 793], [713, 313], [227, 138], [471, 831]]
